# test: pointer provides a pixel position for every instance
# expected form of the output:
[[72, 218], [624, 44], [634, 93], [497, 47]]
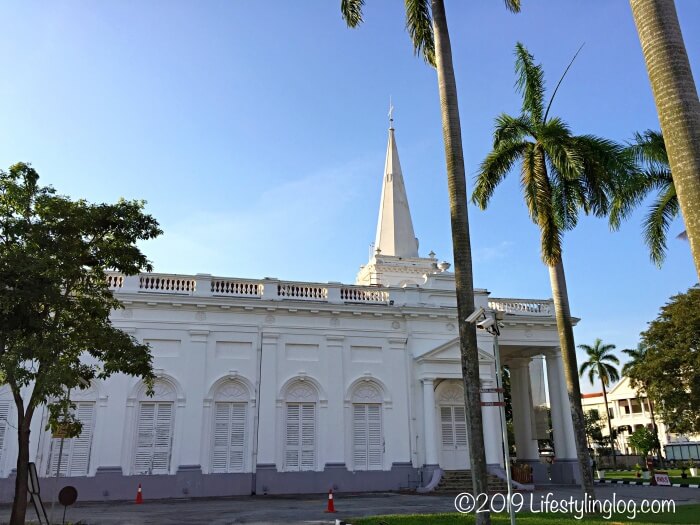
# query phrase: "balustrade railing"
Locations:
[[363, 295], [306, 292], [236, 288], [167, 284], [522, 306]]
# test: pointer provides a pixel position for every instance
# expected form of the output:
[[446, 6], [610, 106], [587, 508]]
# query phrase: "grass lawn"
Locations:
[[686, 514], [674, 474]]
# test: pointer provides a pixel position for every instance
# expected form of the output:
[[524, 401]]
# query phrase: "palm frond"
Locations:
[[419, 24], [631, 190], [494, 168], [649, 148], [661, 213], [513, 5], [511, 129], [530, 82], [550, 233], [527, 181], [611, 372], [605, 162], [352, 12], [567, 198]]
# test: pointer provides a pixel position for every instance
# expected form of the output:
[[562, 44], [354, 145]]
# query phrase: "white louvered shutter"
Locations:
[[300, 442], [75, 455], [163, 438], [308, 436], [359, 436], [368, 445], [153, 438], [4, 415], [374, 434], [228, 453], [460, 426], [447, 427], [293, 437]]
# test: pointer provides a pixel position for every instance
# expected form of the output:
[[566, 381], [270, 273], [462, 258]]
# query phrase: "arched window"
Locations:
[[154, 429], [230, 433], [300, 426], [367, 431], [74, 453]]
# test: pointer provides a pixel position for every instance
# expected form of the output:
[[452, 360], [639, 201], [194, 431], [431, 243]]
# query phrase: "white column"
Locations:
[[493, 443], [525, 441], [569, 450], [268, 428], [431, 456], [555, 405]]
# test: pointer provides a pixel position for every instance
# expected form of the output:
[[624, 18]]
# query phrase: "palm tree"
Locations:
[[426, 23], [649, 151], [677, 104], [602, 363], [561, 174], [637, 356]]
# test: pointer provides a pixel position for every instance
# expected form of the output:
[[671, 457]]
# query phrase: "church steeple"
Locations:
[[395, 235]]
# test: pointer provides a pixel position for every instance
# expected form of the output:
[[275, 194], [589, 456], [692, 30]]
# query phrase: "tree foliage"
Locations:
[[55, 331], [669, 370], [643, 441]]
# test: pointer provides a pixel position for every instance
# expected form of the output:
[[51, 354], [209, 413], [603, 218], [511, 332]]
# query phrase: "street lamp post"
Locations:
[[488, 320]]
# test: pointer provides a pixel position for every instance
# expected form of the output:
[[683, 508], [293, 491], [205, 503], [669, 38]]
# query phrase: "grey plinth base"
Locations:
[[110, 484], [334, 476], [565, 472]]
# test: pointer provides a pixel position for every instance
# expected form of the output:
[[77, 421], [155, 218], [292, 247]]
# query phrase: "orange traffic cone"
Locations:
[[139, 495], [331, 507]]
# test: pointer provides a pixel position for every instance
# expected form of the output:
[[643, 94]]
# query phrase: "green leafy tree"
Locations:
[[643, 441], [55, 332], [594, 427], [649, 151], [677, 104], [426, 23], [561, 174], [602, 364], [637, 356], [670, 369]]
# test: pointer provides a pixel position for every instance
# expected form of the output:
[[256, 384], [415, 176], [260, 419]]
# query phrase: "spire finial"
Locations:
[[391, 114]]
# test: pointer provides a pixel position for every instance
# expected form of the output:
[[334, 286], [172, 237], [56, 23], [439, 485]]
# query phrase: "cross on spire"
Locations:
[[391, 114]]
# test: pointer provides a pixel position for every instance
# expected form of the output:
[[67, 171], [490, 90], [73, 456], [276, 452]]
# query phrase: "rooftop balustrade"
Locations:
[[204, 285]]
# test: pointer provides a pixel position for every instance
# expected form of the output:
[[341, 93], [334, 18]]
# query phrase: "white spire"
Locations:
[[395, 235]]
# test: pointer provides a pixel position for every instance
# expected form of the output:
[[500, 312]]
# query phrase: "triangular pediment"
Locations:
[[449, 353]]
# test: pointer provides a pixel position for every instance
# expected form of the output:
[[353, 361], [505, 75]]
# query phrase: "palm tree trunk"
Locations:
[[568, 354], [607, 413], [457, 187], [676, 103]]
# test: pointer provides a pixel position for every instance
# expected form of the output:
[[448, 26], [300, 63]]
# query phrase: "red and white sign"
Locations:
[[661, 478]]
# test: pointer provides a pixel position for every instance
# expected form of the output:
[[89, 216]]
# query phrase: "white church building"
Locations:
[[271, 386]]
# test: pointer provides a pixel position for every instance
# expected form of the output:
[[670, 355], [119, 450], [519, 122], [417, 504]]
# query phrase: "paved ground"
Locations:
[[309, 509]]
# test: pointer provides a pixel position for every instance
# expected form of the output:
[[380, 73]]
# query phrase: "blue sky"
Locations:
[[256, 131]]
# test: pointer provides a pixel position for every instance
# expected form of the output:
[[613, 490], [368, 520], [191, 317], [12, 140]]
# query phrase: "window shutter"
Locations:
[[460, 426], [80, 447], [308, 436], [163, 438], [75, 456], [144, 438], [300, 442], [375, 440], [359, 436], [154, 438], [4, 414], [446, 425], [368, 445], [222, 412], [239, 412], [228, 454], [293, 437]]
